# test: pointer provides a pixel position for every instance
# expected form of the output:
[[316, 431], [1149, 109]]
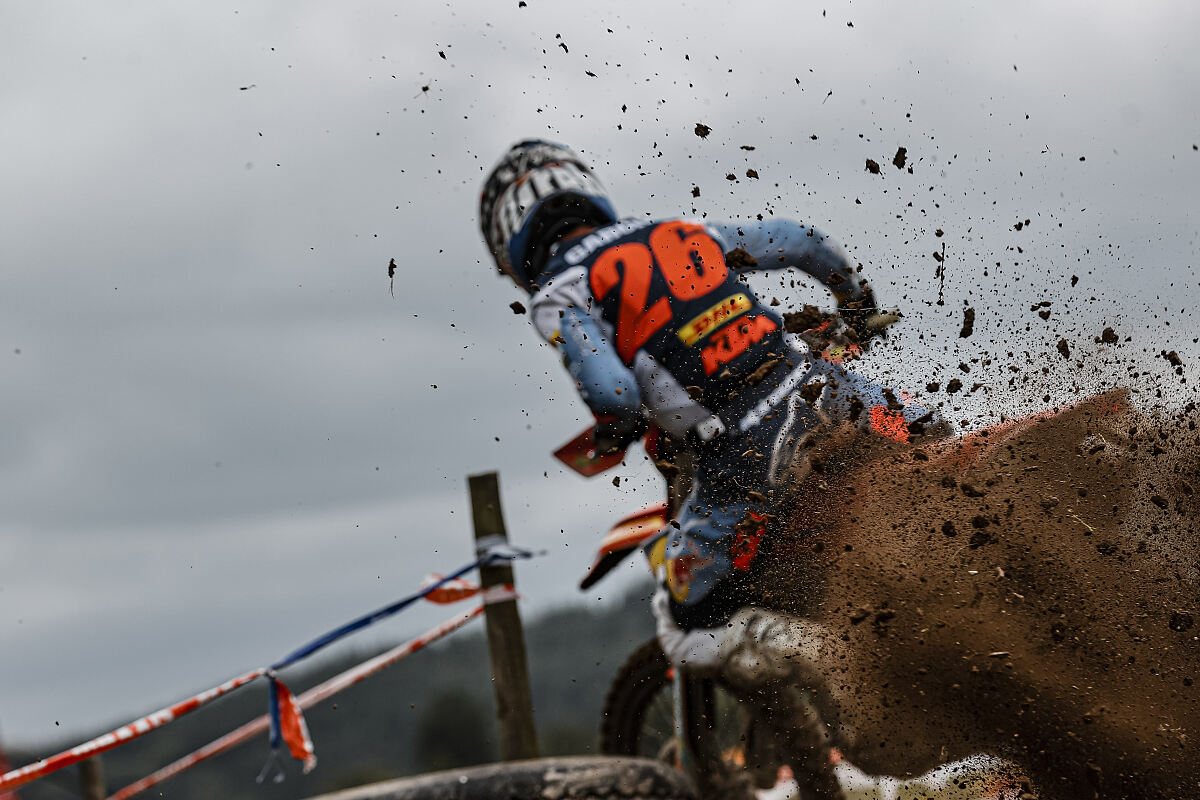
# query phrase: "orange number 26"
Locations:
[[690, 260]]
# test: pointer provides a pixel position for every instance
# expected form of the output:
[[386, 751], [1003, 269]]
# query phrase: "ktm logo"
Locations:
[[728, 344]]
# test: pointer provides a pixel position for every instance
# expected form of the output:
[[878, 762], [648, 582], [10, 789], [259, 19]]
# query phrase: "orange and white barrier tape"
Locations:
[[317, 694], [139, 727]]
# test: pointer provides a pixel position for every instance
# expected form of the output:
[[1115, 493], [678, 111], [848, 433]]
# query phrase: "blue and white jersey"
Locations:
[[649, 313]]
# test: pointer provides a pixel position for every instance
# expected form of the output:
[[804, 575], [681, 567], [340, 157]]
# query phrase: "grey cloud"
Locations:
[[179, 300]]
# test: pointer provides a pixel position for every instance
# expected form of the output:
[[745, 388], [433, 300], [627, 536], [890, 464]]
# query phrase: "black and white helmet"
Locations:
[[535, 194]]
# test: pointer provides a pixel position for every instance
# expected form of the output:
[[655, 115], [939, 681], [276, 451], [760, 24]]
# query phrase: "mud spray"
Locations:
[[1028, 589]]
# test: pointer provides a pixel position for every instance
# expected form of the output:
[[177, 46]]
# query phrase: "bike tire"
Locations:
[[573, 778], [628, 726], [639, 720]]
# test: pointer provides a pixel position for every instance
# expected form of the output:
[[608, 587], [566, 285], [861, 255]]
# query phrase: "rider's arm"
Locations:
[[606, 385], [783, 243]]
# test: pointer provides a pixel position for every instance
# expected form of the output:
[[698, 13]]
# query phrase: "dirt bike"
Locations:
[[653, 710], [696, 723]]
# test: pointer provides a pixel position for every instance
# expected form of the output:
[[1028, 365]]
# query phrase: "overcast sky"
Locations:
[[222, 433]]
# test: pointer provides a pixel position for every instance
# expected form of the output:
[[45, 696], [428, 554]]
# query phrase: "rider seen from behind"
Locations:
[[659, 334]]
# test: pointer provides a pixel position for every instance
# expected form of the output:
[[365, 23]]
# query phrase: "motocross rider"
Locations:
[[655, 327]]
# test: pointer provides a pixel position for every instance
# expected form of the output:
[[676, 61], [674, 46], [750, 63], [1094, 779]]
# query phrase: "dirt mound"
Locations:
[[1027, 590]]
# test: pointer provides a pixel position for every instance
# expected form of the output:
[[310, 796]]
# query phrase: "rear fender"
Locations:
[[624, 538]]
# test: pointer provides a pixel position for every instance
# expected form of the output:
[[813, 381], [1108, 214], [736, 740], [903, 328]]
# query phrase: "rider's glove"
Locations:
[[613, 434], [879, 322]]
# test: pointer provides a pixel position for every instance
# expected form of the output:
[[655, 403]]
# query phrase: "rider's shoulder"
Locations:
[[575, 251]]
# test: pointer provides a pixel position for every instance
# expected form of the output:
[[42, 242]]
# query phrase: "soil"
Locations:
[[1032, 590], [806, 318]]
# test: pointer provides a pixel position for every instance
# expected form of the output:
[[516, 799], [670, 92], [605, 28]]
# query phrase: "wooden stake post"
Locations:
[[91, 779], [506, 639]]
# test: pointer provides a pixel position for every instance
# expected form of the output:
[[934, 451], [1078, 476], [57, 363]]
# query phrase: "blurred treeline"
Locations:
[[432, 711]]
